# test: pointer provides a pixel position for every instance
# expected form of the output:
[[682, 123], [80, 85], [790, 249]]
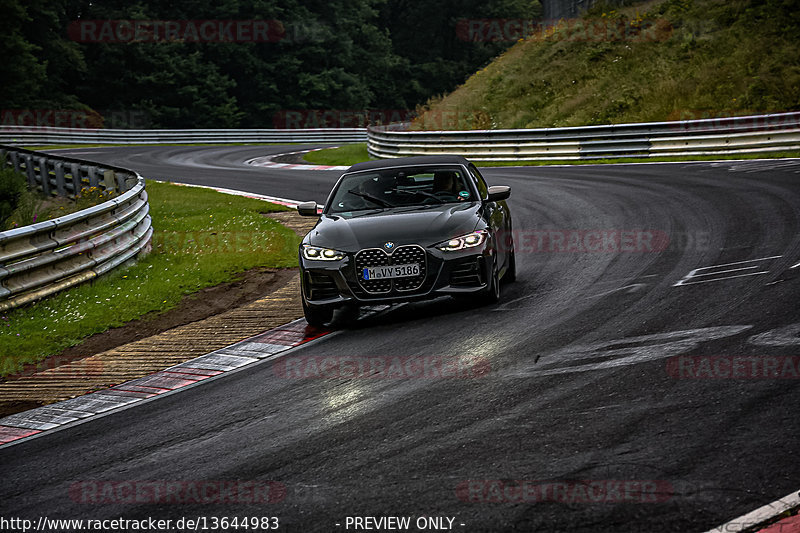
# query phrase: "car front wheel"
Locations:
[[511, 272], [317, 316], [492, 291]]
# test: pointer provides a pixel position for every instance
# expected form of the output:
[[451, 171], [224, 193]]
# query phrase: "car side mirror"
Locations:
[[307, 209], [498, 192]]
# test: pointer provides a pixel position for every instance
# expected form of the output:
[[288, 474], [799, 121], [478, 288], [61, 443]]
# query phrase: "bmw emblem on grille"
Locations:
[[388, 246]]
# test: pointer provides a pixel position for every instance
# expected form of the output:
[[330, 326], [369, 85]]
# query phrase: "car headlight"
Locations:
[[322, 254], [470, 240]]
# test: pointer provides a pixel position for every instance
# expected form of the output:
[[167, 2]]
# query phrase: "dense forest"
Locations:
[[234, 63]]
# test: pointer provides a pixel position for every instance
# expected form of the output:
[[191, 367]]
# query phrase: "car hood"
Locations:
[[426, 226]]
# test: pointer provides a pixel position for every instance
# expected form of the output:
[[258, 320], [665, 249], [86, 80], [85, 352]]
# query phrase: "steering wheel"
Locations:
[[446, 195]]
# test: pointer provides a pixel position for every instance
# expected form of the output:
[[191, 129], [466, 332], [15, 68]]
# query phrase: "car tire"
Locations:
[[314, 315], [511, 272], [317, 316], [346, 315], [492, 291]]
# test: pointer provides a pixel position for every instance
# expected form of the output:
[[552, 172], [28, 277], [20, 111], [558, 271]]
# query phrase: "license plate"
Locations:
[[391, 271]]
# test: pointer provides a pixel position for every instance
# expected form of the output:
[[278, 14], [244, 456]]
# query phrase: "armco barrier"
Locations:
[[724, 136], [49, 256], [25, 135]]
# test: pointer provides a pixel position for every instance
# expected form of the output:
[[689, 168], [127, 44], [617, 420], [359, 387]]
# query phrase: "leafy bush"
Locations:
[[92, 196], [12, 187]]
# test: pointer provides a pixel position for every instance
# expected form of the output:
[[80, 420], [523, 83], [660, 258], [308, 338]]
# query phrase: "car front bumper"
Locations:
[[337, 283]]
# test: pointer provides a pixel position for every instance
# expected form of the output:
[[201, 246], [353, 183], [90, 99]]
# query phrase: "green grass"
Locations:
[[352, 154], [202, 238], [346, 155], [701, 59]]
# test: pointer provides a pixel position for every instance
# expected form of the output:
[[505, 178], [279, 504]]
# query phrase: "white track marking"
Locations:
[[682, 283], [761, 516], [702, 272]]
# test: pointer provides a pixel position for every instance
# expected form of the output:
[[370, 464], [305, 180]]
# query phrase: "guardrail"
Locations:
[[733, 135], [46, 257], [25, 135]]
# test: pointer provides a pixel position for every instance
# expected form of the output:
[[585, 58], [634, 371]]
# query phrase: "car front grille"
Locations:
[[403, 255]]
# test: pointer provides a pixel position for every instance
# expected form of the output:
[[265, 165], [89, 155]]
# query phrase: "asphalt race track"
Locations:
[[617, 386], [218, 166]]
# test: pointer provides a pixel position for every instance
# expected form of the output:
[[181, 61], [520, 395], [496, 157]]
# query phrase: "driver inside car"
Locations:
[[446, 184]]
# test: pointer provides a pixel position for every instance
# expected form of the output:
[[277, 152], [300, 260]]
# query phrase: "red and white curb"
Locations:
[[270, 343], [267, 161], [35, 421], [762, 520], [787, 525], [265, 345]]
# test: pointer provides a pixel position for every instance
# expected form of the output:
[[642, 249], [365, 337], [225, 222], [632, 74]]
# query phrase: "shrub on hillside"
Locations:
[[12, 187]]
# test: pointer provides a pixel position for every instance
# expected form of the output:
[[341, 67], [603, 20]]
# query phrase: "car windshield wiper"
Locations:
[[423, 193], [371, 198]]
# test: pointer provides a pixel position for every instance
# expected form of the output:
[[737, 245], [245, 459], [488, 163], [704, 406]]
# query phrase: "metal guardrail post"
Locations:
[[44, 175], [29, 170], [61, 185]]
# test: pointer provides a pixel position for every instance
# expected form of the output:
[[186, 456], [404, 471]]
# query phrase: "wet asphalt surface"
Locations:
[[581, 402]]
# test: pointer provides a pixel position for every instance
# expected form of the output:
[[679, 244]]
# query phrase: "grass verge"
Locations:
[[346, 155], [202, 238], [355, 153]]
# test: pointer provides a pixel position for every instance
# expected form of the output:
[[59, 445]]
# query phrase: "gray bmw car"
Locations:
[[406, 229]]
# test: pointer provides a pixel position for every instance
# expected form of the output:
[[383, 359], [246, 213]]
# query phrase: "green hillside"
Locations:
[[650, 61]]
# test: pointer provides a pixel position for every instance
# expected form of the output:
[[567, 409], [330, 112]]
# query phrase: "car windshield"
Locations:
[[400, 187]]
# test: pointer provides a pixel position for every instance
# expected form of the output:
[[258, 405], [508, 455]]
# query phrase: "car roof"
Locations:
[[409, 161]]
